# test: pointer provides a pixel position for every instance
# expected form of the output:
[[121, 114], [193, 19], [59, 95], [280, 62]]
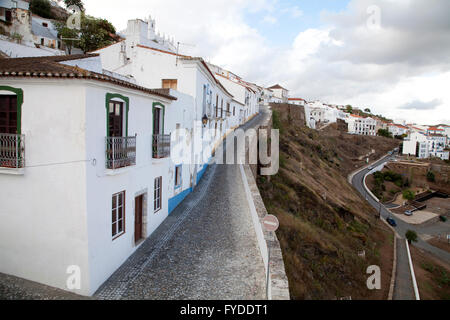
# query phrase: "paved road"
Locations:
[[403, 289], [403, 282], [206, 249], [402, 226]]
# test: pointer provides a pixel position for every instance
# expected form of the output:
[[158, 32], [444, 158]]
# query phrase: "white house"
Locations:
[[144, 32], [100, 165], [411, 144], [360, 125], [397, 129], [280, 94], [267, 96], [16, 18], [436, 146], [45, 33], [297, 101], [446, 132], [152, 67], [425, 145], [242, 93]]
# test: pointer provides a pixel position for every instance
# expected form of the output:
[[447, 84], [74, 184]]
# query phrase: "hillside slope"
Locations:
[[324, 223]]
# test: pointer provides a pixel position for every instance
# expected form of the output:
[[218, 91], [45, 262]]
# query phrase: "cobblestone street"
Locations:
[[206, 249]]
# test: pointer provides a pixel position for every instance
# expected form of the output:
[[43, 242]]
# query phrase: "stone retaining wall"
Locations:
[[277, 281]]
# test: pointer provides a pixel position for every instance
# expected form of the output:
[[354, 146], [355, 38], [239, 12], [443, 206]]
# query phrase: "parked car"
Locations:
[[370, 168], [391, 222], [408, 213]]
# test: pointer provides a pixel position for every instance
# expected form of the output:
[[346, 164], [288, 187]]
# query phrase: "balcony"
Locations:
[[120, 152], [12, 150], [161, 146]]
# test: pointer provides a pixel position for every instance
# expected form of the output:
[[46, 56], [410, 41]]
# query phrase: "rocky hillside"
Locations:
[[324, 223]]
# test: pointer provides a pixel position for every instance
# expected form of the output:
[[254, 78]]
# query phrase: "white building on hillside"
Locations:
[[297, 101], [360, 125], [397, 129], [425, 145], [280, 94]]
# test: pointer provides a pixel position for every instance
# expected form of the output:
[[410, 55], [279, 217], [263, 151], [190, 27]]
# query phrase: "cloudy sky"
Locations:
[[392, 56]]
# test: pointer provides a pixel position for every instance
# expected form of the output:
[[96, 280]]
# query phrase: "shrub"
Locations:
[[430, 176], [411, 236], [408, 195], [41, 8]]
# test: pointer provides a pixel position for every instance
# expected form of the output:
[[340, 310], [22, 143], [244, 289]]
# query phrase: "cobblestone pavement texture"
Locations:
[[206, 249], [13, 288]]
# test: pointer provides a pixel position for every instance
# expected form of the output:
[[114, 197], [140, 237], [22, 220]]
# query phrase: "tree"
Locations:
[[66, 34], [408, 195], [42, 8], [367, 110], [349, 108], [95, 33], [430, 176], [384, 133], [77, 3], [411, 236]]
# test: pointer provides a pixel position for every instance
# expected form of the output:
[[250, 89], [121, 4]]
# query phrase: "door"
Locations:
[[138, 214]]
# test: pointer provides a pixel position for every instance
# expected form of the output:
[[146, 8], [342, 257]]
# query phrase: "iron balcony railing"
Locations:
[[120, 152], [161, 146], [12, 150]]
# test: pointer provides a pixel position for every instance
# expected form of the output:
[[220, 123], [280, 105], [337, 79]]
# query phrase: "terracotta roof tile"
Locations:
[[49, 67]]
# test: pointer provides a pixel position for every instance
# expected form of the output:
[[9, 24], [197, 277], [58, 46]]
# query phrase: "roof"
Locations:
[[296, 99], [9, 4], [184, 57], [277, 86], [434, 129], [39, 30], [49, 67]]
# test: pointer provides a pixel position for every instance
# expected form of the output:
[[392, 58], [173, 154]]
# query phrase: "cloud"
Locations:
[[270, 19], [406, 60], [421, 105]]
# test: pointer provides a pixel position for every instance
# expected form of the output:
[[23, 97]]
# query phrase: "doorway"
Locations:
[[138, 218]]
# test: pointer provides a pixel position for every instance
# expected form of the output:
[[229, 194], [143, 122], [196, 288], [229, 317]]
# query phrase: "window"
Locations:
[[178, 170], [115, 114], [170, 84], [8, 16], [8, 114], [157, 194], [157, 119], [234, 111], [118, 214], [217, 105]]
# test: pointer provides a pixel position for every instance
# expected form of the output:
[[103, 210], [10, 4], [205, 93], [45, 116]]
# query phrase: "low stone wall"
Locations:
[[277, 281], [290, 112]]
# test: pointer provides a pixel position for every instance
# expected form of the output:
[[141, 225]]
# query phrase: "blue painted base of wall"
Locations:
[[175, 201]]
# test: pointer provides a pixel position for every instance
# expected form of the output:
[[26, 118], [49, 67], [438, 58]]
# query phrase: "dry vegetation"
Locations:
[[433, 276], [324, 223]]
